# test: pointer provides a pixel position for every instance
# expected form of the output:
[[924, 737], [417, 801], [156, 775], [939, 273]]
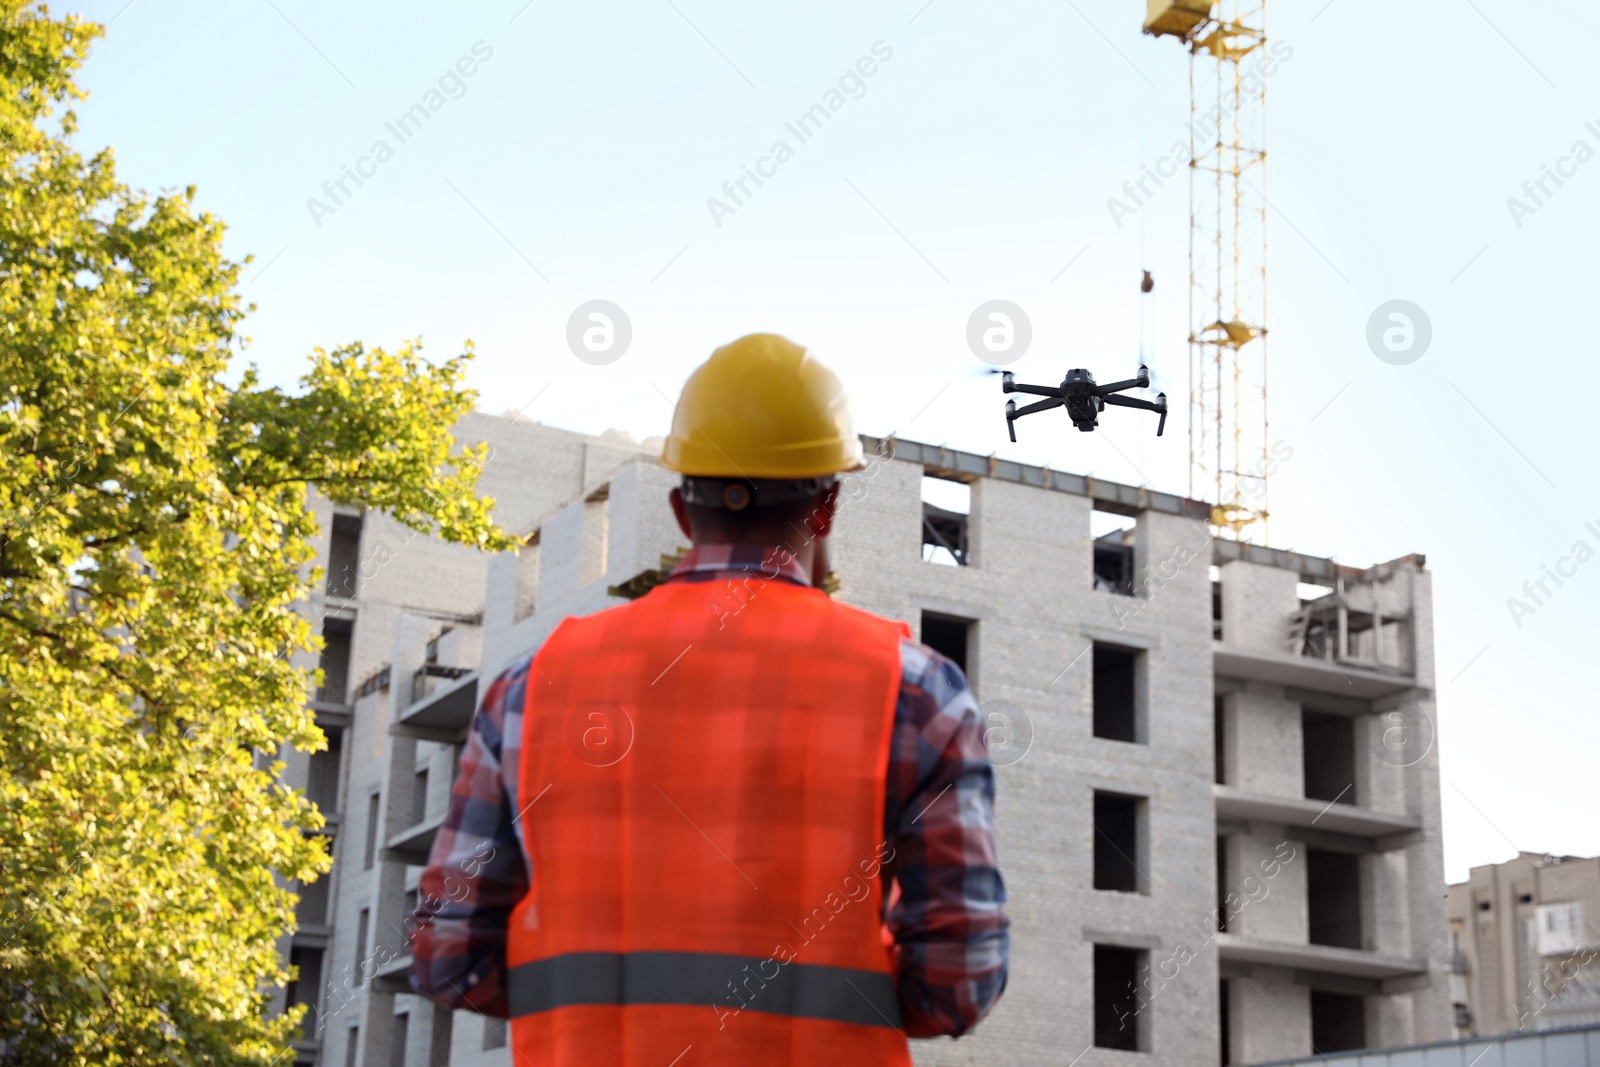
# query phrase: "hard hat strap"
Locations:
[[738, 494]]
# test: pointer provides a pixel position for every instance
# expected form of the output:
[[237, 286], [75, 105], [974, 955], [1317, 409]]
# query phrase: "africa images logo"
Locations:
[[405, 126]]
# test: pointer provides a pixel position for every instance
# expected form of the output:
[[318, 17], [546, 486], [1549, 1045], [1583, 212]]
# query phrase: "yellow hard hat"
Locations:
[[762, 407]]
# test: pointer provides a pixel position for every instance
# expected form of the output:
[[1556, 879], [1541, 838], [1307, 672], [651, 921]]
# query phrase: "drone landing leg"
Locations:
[[1013, 412]]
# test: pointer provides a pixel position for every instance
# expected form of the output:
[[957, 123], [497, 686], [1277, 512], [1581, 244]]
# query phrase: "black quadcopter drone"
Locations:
[[1083, 399]]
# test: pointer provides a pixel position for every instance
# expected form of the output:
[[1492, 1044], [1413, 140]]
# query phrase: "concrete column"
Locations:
[[560, 554], [440, 1027], [386, 932], [1265, 742], [1385, 918], [1390, 1021], [1271, 1016], [1255, 603], [1269, 885]]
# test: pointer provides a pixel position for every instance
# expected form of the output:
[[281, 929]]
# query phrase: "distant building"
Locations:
[[1573, 1047], [1218, 808], [1525, 941]]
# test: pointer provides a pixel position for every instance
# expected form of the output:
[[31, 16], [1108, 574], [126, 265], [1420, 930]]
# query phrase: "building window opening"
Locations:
[[596, 535], [1117, 692], [1113, 536], [419, 797], [344, 556], [1118, 1022], [1118, 841], [527, 578], [946, 511], [335, 660], [949, 636], [1216, 602], [1219, 739], [1222, 884], [1224, 1022]]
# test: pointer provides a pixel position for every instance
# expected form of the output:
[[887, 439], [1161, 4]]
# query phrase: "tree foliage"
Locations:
[[154, 544]]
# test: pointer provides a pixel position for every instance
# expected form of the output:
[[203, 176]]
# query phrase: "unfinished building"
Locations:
[[1218, 807]]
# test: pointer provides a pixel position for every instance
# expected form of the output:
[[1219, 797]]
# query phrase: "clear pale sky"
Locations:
[[576, 160]]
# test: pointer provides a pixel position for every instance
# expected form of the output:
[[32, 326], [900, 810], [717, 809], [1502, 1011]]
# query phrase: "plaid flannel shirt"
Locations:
[[948, 921]]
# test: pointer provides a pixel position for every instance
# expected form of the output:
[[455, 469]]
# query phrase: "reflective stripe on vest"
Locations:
[[706, 772], [801, 990]]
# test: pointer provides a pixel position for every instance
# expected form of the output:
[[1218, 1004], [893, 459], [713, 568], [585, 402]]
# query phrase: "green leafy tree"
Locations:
[[154, 543]]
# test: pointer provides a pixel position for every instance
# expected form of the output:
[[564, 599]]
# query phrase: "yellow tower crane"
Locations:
[[1228, 443]]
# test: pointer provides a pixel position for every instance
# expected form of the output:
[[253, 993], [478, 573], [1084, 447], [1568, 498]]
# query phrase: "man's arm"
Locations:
[[949, 921], [477, 871]]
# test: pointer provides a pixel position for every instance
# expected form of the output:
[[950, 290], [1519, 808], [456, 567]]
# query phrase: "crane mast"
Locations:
[[1228, 444]]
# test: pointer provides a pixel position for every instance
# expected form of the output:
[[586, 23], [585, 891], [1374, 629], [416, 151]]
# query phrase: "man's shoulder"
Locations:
[[932, 685], [895, 628]]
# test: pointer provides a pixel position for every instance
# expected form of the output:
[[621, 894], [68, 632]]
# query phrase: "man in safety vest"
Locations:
[[733, 821]]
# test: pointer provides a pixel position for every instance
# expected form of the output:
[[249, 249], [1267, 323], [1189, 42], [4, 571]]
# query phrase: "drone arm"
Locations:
[[1117, 387], [1134, 402], [1158, 405], [1038, 405], [1036, 390], [1013, 413]]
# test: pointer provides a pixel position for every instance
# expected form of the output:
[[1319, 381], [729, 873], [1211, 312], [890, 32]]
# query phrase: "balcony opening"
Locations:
[[527, 578], [1118, 1022], [1333, 898], [1113, 535], [322, 774], [946, 510], [1224, 1027], [352, 1043], [374, 813], [1219, 739], [1338, 1022], [411, 908], [1117, 692], [419, 797], [344, 556], [1118, 842], [401, 1038], [335, 660], [949, 636], [305, 987], [1328, 753], [596, 535]]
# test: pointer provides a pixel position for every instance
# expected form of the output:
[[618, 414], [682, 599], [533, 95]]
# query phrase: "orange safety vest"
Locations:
[[703, 776]]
